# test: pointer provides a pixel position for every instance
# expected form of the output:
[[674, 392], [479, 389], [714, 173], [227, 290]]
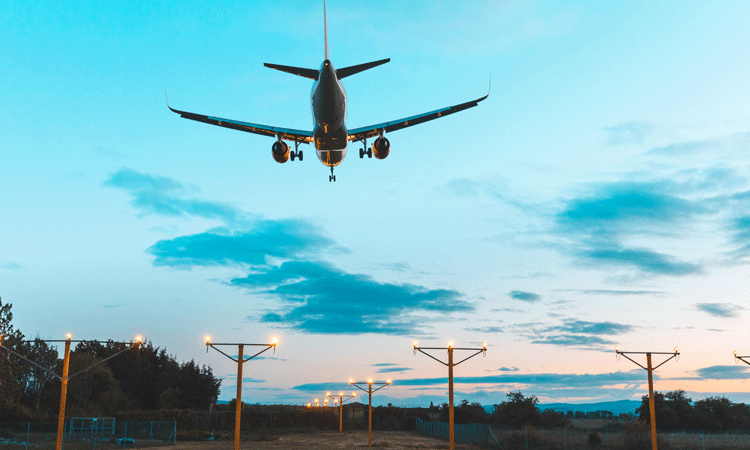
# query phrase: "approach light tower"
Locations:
[[650, 369], [380, 385], [341, 401], [65, 377], [450, 365], [240, 361]]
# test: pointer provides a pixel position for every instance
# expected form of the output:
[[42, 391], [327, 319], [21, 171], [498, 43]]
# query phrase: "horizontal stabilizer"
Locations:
[[351, 70], [307, 73]]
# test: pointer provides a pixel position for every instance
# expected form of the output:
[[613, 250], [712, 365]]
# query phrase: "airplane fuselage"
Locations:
[[329, 116]]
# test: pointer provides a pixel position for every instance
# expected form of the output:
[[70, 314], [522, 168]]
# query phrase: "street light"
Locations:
[[650, 369], [450, 365], [65, 377], [341, 401], [369, 391], [240, 361]]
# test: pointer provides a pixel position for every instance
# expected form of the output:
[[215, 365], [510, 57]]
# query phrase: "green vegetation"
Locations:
[[144, 379]]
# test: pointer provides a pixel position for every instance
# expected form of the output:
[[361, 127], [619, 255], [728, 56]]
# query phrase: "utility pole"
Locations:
[[650, 369], [341, 401], [369, 391], [64, 378], [740, 358], [240, 361], [450, 365]]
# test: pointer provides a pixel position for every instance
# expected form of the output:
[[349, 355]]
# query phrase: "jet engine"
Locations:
[[280, 152], [381, 147]]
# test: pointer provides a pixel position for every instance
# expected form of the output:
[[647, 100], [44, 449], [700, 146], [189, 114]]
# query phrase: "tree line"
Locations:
[[676, 411], [147, 378]]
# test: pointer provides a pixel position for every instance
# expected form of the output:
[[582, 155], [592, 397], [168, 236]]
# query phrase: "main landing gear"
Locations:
[[364, 150], [296, 153], [332, 177]]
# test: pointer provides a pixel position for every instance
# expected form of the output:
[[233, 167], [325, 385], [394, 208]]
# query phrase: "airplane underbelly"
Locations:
[[331, 158]]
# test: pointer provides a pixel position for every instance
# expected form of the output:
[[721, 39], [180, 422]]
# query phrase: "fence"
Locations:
[[470, 433], [87, 434], [570, 438]]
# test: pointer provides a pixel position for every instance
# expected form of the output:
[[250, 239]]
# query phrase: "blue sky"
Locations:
[[599, 197]]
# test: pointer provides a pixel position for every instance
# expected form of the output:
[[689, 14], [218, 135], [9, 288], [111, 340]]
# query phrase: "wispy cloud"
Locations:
[[721, 372], [633, 132], [254, 245], [153, 194], [282, 260], [9, 265], [524, 296], [394, 369], [509, 369], [723, 310], [320, 298], [487, 329], [118, 305], [574, 333], [555, 380], [597, 225]]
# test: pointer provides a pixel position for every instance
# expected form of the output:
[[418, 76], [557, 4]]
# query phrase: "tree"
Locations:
[[11, 370], [36, 382], [517, 410], [466, 412]]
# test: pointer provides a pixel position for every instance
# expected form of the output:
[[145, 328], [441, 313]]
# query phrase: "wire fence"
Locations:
[[571, 438], [83, 433]]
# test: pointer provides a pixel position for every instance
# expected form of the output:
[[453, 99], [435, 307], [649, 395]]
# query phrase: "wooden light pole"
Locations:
[[369, 391], [650, 369], [450, 364], [240, 361]]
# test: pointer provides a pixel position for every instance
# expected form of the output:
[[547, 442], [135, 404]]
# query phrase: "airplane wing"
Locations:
[[357, 134], [265, 130]]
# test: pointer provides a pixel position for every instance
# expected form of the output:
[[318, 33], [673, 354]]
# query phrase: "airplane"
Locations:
[[330, 133]]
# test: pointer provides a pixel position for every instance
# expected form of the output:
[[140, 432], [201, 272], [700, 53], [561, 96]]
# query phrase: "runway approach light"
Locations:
[[138, 339], [274, 341], [617, 348], [734, 352], [369, 381], [450, 344], [388, 381], [328, 394], [341, 394], [354, 394], [351, 380], [484, 344], [677, 349], [69, 336], [414, 344], [208, 339]]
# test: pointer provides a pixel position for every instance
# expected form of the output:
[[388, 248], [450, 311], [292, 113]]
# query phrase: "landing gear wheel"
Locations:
[[292, 156], [331, 178], [299, 155], [369, 153], [361, 153]]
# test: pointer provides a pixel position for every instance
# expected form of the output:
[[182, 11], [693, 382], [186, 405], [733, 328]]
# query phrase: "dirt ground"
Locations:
[[395, 440]]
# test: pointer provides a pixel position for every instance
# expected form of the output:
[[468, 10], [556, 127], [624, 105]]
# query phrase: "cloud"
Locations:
[[633, 132], [736, 141], [115, 306], [153, 194], [9, 265], [281, 257], [613, 292], [524, 296], [595, 226], [721, 372], [320, 298], [574, 333], [463, 187], [289, 238], [644, 260], [394, 369], [487, 329], [509, 369], [723, 310]]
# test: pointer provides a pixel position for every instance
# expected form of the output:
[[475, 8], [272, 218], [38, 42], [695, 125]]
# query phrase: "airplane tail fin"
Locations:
[[307, 73], [325, 27], [351, 70]]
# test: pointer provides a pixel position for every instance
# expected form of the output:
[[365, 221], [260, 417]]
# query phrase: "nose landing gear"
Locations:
[[332, 177]]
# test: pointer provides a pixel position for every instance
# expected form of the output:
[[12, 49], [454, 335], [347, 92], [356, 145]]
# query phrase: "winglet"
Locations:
[[167, 98], [490, 88]]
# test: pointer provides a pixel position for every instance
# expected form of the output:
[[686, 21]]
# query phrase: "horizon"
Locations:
[[598, 197]]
